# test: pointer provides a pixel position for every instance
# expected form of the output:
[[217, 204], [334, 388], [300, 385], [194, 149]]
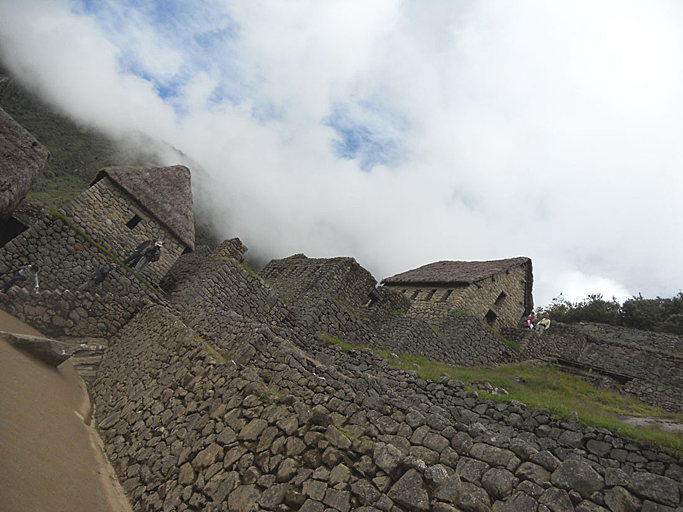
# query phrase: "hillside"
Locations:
[[77, 152]]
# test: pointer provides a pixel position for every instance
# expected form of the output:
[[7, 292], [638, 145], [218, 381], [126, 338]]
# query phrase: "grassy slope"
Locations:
[[76, 152], [547, 387]]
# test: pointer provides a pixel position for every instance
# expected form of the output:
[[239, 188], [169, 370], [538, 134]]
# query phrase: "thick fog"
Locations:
[[396, 132]]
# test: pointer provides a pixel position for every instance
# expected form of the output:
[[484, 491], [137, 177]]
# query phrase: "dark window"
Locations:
[[430, 295], [491, 317], [415, 294], [404, 291], [446, 295], [9, 229], [501, 298], [134, 221], [373, 297]]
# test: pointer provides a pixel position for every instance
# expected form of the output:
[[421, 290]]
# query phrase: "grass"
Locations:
[[348, 309], [512, 344], [558, 392], [250, 271], [56, 191], [102, 249], [328, 339], [213, 353]]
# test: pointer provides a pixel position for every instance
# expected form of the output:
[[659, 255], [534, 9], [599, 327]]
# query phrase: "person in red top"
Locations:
[[529, 322]]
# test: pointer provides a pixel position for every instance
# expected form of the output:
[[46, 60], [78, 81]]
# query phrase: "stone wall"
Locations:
[[65, 260], [633, 361], [343, 279], [500, 296], [103, 212], [430, 302], [186, 430], [473, 343], [663, 342], [385, 304], [322, 314], [221, 300], [71, 314], [667, 398]]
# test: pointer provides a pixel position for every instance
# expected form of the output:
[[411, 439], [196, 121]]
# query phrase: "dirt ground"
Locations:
[[51, 460]]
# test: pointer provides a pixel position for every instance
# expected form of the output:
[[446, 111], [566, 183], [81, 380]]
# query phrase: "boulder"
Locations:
[[656, 488], [578, 476], [50, 352], [410, 491], [22, 160]]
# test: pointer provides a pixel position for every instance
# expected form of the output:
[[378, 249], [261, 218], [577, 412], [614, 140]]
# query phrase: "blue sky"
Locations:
[[204, 38], [398, 132]]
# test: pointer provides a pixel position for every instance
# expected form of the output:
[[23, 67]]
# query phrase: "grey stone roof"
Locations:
[[22, 160], [454, 272], [165, 192]]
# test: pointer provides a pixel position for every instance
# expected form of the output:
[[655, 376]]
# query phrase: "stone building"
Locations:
[[22, 160], [125, 206], [498, 291]]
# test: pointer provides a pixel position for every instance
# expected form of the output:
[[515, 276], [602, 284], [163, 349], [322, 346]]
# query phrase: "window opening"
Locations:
[[430, 295], [415, 294], [134, 221], [501, 298], [490, 317], [373, 297], [445, 296]]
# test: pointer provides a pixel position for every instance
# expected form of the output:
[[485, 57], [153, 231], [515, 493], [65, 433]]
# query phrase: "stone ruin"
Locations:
[[499, 291], [220, 393]]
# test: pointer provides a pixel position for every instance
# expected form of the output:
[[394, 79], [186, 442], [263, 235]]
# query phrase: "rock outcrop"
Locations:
[[22, 160]]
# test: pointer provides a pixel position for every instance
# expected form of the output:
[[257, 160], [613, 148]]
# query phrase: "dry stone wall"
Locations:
[[473, 343], [665, 397], [103, 212], [383, 307], [65, 259], [283, 431], [633, 361], [341, 278], [71, 314], [221, 286], [663, 342]]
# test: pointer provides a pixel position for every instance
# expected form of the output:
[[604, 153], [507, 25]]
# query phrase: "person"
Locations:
[[138, 253], [529, 322], [543, 324], [151, 255], [23, 274], [97, 278]]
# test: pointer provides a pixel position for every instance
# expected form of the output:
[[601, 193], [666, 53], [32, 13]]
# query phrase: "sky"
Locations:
[[396, 132]]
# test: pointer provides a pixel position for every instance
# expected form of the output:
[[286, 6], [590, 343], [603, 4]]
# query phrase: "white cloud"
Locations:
[[527, 129]]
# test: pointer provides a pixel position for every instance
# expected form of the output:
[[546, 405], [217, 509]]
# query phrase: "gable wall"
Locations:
[[342, 278], [102, 212]]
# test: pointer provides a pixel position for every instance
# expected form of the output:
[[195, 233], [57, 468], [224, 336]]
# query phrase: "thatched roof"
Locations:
[[453, 272], [22, 160], [165, 192]]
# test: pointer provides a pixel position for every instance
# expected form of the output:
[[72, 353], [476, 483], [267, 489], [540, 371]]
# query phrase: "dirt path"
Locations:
[[50, 460], [664, 424]]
